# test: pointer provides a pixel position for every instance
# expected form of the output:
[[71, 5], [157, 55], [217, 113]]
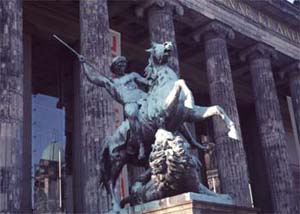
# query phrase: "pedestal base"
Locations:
[[189, 203]]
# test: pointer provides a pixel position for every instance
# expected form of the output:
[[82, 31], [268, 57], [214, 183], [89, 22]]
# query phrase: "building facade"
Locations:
[[241, 55]]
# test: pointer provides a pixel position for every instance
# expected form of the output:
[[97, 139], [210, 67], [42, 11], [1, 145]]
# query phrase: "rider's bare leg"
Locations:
[[131, 111], [200, 113], [180, 86], [136, 130]]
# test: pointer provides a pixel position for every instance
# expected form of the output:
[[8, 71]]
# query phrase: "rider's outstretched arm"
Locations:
[[97, 79]]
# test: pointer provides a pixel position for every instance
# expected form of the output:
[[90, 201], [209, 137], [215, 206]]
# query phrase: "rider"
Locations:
[[125, 88]]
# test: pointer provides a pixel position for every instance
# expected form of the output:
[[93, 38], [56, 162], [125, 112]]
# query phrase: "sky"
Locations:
[[48, 124]]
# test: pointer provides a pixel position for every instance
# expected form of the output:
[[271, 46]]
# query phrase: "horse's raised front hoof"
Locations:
[[188, 104], [233, 133]]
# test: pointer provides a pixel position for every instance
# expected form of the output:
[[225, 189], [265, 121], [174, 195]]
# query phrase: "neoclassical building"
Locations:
[[241, 55]]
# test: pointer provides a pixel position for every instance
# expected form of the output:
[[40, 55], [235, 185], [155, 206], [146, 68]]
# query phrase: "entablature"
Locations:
[[251, 22]]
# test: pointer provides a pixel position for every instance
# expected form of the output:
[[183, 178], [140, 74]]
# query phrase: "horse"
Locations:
[[169, 104]]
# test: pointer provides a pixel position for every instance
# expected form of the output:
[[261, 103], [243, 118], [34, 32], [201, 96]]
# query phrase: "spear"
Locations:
[[80, 57], [68, 46]]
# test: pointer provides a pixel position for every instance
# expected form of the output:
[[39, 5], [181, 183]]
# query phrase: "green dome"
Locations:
[[51, 152]]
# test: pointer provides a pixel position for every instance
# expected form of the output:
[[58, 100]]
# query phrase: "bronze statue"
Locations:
[[167, 104], [125, 88]]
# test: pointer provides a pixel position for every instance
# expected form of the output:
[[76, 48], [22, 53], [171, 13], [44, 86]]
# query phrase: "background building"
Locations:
[[242, 55], [48, 180]]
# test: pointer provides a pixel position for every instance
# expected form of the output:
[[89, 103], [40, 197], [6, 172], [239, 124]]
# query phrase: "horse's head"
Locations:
[[160, 53]]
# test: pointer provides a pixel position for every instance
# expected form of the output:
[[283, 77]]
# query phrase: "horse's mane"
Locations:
[[151, 72]]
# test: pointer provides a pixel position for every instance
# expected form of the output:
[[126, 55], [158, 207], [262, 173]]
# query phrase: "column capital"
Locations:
[[214, 29], [290, 70], [174, 5], [258, 50]]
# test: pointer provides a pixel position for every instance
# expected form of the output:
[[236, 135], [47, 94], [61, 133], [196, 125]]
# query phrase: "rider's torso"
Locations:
[[127, 91]]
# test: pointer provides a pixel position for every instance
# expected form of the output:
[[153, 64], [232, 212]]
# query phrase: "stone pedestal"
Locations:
[[189, 203]]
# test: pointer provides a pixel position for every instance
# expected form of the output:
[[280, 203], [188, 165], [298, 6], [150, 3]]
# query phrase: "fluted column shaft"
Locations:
[[26, 202], [159, 14], [271, 130], [96, 116], [231, 157], [11, 105], [293, 73]]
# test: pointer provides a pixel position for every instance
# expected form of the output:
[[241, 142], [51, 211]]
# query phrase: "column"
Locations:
[[11, 105], [231, 157], [96, 112], [26, 203], [77, 163], [270, 125], [293, 74], [160, 23]]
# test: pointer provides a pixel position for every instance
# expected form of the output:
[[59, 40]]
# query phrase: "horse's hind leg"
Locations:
[[173, 97], [116, 170], [114, 159]]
